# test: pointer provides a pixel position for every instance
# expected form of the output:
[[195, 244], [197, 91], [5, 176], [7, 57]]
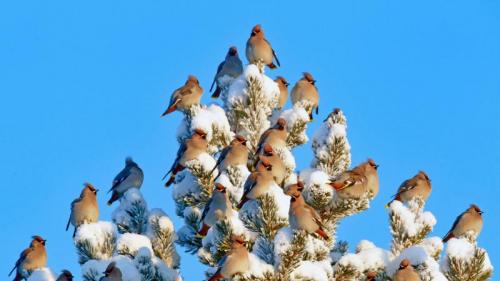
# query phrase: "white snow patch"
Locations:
[[42, 274], [131, 243]]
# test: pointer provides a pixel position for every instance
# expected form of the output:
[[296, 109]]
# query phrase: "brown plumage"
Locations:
[[304, 217], [293, 188], [406, 272], [305, 89], [236, 153], [218, 208], [283, 87], [235, 261], [258, 182], [274, 136], [189, 150], [417, 186], [371, 276], [65, 276], [350, 185], [470, 220], [84, 209], [185, 96], [369, 170], [258, 49], [33, 257], [279, 168], [112, 273]]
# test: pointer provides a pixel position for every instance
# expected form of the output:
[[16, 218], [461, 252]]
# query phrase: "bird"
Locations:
[[231, 67], [186, 96], [279, 169], [350, 185], [283, 87], [305, 90], [371, 276], [236, 153], [258, 49], [130, 177], [65, 276], [274, 136], [333, 113], [84, 209], [304, 217], [189, 150], [470, 220], [32, 258], [218, 208], [112, 273], [369, 170], [257, 182], [296, 187], [235, 261], [406, 272], [417, 186]]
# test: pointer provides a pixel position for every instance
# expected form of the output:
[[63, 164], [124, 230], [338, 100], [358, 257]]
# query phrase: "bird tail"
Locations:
[[322, 233], [203, 231], [169, 110], [276, 58], [74, 231], [272, 66], [448, 236], [18, 277], [317, 110], [242, 202], [337, 185], [113, 198], [69, 221], [170, 181], [216, 277], [14, 268], [217, 92]]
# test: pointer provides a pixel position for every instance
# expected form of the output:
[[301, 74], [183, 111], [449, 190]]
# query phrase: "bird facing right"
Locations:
[[84, 209], [33, 257], [305, 90], [112, 273], [418, 186], [469, 221]]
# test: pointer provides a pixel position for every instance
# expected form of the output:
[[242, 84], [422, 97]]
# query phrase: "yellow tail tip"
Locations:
[[198, 235], [386, 206]]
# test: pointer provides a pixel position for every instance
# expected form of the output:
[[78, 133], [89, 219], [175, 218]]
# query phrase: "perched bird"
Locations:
[[350, 185], [418, 186], [65, 276], [257, 182], [305, 89], [189, 150], [283, 87], [371, 276], [84, 209], [236, 153], [185, 96], [369, 170], [219, 207], [235, 261], [293, 188], [279, 168], [130, 177], [406, 272], [259, 49], [274, 136], [112, 273], [470, 220], [33, 257], [231, 67], [304, 217], [333, 113]]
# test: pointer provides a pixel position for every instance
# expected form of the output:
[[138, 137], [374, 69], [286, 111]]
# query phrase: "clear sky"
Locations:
[[83, 85]]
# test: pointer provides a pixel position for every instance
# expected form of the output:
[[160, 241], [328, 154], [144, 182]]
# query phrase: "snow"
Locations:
[[237, 226], [132, 196], [239, 174], [209, 118], [124, 263], [281, 199], [95, 233], [164, 221], [283, 240], [287, 157], [257, 266], [432, 245], [412, 223], [131, 243], [42, 274], [166, 272], [317, 271], [460, 248], [351, 259], [314, 177], [372, 257], [417, 256], [206, 162]]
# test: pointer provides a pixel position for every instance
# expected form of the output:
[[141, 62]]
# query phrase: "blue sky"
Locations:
[[83, 86]]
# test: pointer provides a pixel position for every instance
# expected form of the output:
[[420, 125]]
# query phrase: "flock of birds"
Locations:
[[267, 169]]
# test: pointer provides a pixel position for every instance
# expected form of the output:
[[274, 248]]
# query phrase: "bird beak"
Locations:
[[96, 190], [376, 166], [481, 212]]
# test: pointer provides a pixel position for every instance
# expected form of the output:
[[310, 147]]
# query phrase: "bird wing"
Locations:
[[21, 258], [122, 175], [406, 186], [315, 215], [206, 209], [219, 68], [72, 205], [180, 152], [249, 183], [274, 53], [263, 138], [223, 155], [222, 260], [457, 220]]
